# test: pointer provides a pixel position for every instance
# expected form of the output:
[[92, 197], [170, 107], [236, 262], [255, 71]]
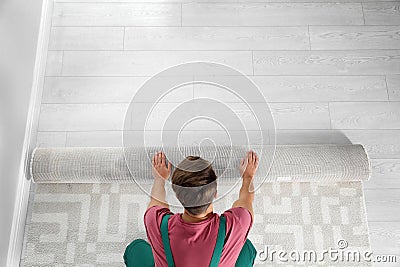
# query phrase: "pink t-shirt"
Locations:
[[195, 242]]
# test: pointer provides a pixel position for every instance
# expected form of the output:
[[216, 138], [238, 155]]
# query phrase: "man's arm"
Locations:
[[248, 167], [161, 173]]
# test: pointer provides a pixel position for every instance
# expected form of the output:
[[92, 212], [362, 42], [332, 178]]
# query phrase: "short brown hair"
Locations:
[[198, 175]]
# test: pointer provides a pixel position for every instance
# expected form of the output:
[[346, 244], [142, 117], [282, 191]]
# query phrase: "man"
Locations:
[[197, 237]]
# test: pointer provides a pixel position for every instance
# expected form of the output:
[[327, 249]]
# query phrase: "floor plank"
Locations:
[[367, 62], [298, 137], [301, 115], [285, 115], [380, 144], [90, 89], [385, 13], [146, 63], [202, 138], [216, 38], [321, 88], [220, 116], [382, 204], [51, 139], [116, 14], [303, 89], [223, 14], [393, 84], [81, 117], [385, 237], [87, 90], [354, 37], [365, 115], [95, 139], [385, 174], [86, 38], [160, 138], [54, 63]]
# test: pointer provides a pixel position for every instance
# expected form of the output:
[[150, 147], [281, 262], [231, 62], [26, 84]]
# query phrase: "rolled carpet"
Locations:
[[332, 163]]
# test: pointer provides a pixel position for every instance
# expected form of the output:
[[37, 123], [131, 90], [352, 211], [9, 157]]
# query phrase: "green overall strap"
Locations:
[[165, 240], [219, 245]]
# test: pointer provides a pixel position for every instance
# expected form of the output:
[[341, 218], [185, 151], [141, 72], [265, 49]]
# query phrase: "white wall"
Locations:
[[19, 27]]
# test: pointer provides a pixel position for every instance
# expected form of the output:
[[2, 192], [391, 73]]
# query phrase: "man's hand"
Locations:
[[248, 165], [161, 172], [160, 168]]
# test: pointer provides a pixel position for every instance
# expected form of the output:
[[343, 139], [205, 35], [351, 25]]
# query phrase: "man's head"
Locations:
[[195, 184]]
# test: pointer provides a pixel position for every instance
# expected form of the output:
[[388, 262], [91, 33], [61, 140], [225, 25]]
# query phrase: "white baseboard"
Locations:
[[18, 225], [24, 182]]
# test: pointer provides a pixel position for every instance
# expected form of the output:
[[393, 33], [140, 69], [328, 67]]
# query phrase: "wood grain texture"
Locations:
[[145, 63], [103, 90], [216, 38], [385, 174], [201, 138], [303, 89], [382, 204], [321, 88], [298, 137], [82, 117], [51, 139], [200, 116], [155, 138], [385, 237], [116, 14], [380, 144], [94, 139], [254, 14], [354, 37], [393, 84], [367, 62], [90, 89], [86, 38], [385, 13], [365, 115], [300, 115], [54, 63]]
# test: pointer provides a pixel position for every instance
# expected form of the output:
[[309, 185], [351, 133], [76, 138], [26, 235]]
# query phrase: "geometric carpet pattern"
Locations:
[[91, 224]]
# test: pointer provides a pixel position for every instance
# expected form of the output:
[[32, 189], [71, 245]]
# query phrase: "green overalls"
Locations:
[[139, 254]]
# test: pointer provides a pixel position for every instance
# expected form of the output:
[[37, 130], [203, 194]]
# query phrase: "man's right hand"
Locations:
[[248, 165]]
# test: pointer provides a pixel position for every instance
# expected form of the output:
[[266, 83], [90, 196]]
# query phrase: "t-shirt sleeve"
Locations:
[[238, 224], [152, 221]]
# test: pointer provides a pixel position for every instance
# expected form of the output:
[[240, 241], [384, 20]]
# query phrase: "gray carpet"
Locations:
[[90, 224], [301, 163]]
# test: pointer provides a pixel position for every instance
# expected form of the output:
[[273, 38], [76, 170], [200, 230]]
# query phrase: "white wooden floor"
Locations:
[[331, 72]]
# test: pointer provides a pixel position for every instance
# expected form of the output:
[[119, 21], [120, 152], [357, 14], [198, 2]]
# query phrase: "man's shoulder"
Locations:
[[238, 215], [237, 211], [155, 213]]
